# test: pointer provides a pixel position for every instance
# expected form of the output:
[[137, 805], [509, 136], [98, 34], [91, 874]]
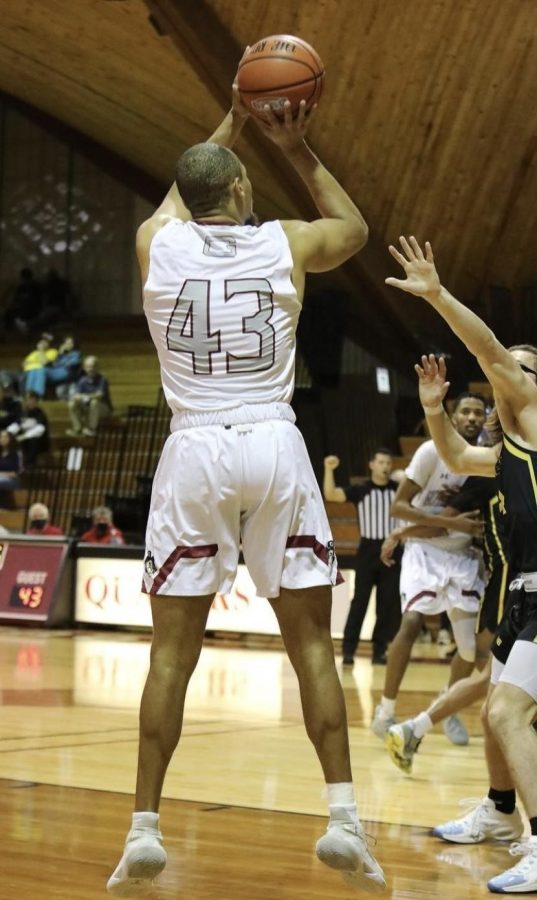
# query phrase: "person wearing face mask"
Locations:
[[39, 522], [103, 530]]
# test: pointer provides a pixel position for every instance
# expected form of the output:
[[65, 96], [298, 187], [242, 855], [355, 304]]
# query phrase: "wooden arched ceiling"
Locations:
[[428, 119]]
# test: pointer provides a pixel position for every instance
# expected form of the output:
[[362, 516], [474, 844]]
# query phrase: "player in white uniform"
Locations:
[[222, 299], [438, 573]]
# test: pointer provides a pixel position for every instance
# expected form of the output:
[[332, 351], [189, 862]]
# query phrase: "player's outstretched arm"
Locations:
[[458, 454], [325, 243], [500, 367]]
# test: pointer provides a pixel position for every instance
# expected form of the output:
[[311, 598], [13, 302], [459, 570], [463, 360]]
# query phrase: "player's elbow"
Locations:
[[455, 463], [359, 234]]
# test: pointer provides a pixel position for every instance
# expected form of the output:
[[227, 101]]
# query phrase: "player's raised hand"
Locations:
[[421, 276], [432, 383], [287, 132]]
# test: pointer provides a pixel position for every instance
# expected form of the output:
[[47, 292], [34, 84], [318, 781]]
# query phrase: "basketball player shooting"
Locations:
[[512, 702], [222, 299]]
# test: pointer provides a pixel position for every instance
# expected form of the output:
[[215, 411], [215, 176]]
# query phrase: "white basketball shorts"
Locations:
[[435, 580], [220, 486]]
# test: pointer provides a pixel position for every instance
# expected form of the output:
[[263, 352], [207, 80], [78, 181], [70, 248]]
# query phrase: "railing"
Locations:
[[116, 471]]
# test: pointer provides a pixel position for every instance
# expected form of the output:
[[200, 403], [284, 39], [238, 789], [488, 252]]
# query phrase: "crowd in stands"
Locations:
[[59, 373], [102, 531]]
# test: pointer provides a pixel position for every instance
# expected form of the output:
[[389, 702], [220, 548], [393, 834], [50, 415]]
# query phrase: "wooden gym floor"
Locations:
[[243, 800]]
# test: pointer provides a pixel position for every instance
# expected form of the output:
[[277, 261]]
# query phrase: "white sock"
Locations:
[[341, 794], [387, 707], [421, 725], [147, 820]]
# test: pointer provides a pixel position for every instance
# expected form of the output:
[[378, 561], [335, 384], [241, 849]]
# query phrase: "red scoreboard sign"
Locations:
[[29, 578]]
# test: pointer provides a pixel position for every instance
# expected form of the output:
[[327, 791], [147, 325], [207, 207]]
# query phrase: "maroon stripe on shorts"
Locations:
[[471, 594], [198, 552], [417, 597], [310, 542]]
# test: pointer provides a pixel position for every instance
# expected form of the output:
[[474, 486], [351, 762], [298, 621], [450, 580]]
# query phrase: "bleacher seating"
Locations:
[[127, 358]]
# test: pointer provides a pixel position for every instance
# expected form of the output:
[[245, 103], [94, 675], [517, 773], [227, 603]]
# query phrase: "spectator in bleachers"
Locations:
[[63, 371], [43, 355], [31, 431], [103, 530], [10, 465], [39, 521], [10, 404], [90, 401]]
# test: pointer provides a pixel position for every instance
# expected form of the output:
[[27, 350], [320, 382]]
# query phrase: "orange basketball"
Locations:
[[279, 68]]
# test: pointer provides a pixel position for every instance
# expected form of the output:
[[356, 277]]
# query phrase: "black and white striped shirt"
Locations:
[[373, 503]]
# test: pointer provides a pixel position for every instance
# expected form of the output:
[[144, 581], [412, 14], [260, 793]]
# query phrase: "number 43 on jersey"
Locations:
[[189, 329]]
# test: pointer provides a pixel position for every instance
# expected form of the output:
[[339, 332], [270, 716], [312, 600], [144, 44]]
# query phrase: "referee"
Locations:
[[373, 499]]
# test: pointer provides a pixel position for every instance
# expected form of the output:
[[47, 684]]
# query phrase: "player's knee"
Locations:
[[465, 638], [410, 626], [500, 713]]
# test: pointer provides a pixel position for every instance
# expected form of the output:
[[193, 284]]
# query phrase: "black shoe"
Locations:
[[379, 659], [348, 660]]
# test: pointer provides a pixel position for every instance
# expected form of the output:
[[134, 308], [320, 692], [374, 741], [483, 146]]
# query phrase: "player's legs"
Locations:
[[304, 619], [512, 718], [398, 658], [495, 817], [512, 714], [404, 738], [178, 629], [400, 650]]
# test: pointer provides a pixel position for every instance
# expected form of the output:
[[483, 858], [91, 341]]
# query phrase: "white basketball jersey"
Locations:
[[222, 311], [433, 476]]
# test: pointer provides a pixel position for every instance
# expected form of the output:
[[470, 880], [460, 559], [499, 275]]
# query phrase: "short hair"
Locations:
[[383, 450], [31, 394], [468, 395], [203, 175]]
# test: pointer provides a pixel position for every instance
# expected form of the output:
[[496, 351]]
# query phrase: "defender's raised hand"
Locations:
[[421, 276], [433, 386]]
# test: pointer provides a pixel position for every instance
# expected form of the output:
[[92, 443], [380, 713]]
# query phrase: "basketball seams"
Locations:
[[298, 75], [315, 73], [283, 87]]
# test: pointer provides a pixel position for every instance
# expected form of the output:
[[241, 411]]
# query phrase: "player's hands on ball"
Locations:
[[432, 383], [238, 106], [287, 132], [421, 276]]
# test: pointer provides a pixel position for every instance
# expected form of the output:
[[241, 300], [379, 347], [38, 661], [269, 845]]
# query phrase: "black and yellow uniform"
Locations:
[[517, 499], [481, 493]]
